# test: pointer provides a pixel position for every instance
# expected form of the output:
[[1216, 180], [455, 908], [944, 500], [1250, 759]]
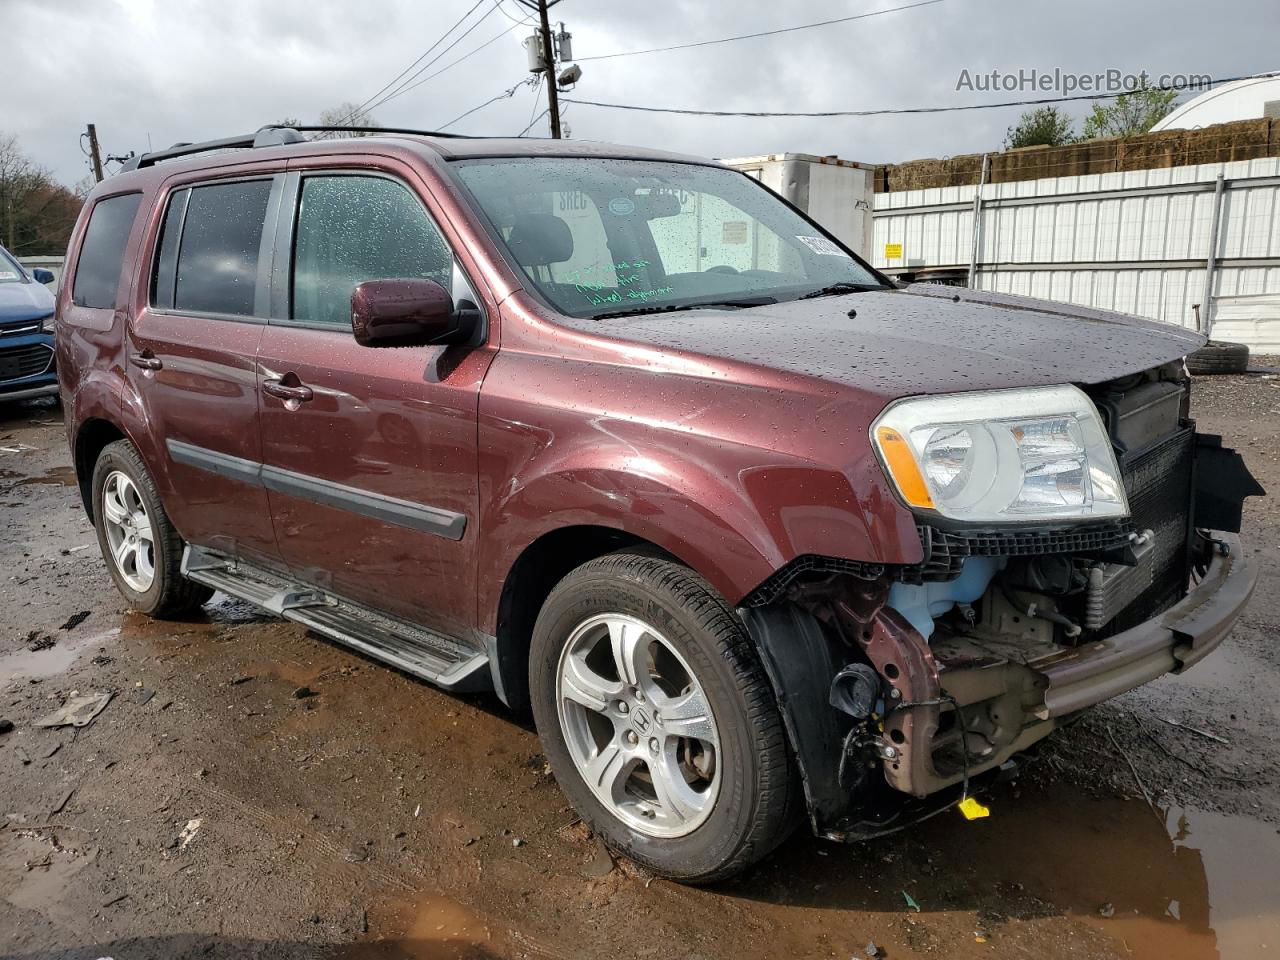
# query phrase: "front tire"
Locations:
[[658, 720], [142, 549]]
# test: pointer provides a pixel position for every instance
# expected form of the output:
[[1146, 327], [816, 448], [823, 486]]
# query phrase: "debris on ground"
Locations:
[[301, 693], [1196, 730], [1107, 910], [910, 901], [62, 803], [75, 620], [871, 950], [189, 832], [36, 641], [6, 726], [77, 711]]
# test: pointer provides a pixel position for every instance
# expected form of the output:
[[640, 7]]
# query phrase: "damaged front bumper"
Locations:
[[1006, 705], [954, 708]]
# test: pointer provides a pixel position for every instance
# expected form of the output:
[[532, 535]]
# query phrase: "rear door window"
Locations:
[[355, 228], [217, 255], [102, 252]]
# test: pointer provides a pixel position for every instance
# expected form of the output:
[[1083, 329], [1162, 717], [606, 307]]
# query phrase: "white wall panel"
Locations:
[[1160, 228]]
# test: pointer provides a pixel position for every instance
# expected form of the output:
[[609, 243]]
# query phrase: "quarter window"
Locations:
[[217, 259], [351, 229], [102, 253]]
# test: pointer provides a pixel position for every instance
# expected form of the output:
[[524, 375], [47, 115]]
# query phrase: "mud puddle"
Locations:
[[434, 928], [1177, 884], [28, 664], [59, 476]]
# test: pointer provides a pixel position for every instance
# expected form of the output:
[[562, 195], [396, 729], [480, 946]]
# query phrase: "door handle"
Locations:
[[146, 360], [282, 391]]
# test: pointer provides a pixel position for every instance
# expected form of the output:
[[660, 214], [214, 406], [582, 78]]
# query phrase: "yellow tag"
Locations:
[[973, 810], [893, 251]]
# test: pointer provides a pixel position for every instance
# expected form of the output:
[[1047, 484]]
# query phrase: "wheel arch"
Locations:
[[93, 436]]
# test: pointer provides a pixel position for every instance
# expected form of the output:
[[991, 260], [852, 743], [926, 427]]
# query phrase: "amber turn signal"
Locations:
[[902, 467]]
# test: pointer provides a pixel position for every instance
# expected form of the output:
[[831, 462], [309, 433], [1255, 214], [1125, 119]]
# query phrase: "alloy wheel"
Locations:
[[638, 725], [129, 531]]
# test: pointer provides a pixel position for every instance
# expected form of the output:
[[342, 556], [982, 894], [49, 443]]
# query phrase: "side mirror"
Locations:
[[407, 313], [41, 275]]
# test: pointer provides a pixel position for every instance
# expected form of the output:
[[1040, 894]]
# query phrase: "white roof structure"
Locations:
[[1241, 100]]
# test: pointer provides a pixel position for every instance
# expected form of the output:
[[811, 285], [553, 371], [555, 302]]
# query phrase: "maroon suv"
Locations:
[[625, 438]]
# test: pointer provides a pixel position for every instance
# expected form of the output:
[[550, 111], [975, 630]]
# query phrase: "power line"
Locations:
[[358, 110], [763, 33], [533, 121], [413, 86], [505, 95], [407, 84], [503, 10], [904, 110]]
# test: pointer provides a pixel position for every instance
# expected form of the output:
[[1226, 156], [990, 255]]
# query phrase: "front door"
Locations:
[[191, 354], [369, 455]]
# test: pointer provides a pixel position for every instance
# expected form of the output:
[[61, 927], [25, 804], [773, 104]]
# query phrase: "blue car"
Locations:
[[26, 331]]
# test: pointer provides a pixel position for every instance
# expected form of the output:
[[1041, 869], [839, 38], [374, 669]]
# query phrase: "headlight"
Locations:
[[1002, 455]]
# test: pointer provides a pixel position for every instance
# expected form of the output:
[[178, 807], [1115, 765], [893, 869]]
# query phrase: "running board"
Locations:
[[448, 663]]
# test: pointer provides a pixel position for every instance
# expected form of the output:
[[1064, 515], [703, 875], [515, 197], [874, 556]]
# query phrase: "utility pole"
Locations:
[[542, 59], [94, 155]]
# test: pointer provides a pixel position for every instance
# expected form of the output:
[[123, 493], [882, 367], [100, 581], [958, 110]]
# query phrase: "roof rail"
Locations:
[[272, 135]]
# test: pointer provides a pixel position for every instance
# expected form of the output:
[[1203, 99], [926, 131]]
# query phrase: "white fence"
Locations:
[[1138, 242]]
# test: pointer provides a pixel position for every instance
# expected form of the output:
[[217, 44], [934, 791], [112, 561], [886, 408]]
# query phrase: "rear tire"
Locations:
[[142, 549], [697, 793], [1219, 356]]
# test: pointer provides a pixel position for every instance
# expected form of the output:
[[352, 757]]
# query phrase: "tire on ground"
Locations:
[[171, 595], [1219, 356], [757, 805]]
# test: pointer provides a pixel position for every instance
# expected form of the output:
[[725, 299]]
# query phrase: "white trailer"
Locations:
[[837, 193]]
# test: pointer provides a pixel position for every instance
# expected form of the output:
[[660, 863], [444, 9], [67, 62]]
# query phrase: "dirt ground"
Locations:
[[210, 811]]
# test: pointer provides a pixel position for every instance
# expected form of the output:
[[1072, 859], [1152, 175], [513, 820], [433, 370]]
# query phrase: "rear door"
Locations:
[[191, 356], [369, 454]]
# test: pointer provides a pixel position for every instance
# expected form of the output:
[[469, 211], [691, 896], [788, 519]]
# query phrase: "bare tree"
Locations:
[[36, 212], [347, 115]]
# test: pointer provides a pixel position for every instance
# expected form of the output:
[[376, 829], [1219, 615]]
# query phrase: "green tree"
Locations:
[[1132, 113], [1044, 126]]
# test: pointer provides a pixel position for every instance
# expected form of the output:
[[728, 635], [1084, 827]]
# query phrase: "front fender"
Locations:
[[711, 531]]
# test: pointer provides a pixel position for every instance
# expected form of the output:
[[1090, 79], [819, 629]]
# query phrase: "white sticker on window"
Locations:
[[823, 246], [8, 275]]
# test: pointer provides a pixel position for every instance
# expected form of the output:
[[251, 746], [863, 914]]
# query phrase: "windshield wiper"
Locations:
[[843, 286], [738, 303]]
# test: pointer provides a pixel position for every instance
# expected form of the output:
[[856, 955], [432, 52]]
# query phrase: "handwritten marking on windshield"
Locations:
[[642, 296]]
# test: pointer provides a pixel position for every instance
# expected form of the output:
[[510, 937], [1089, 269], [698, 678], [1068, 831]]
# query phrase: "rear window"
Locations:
[[214, 262], [102, 253]]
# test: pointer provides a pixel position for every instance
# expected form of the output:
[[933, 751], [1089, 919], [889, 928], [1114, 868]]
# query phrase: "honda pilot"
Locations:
[[757, 536]]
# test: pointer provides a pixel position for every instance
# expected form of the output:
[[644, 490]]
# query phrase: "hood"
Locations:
[[24, 301], [925, 338]]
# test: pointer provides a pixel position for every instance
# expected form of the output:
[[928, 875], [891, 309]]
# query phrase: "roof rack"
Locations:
[[272, 135]]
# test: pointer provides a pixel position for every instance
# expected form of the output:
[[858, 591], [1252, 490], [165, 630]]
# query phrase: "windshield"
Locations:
[[607, 236], [10, 271]]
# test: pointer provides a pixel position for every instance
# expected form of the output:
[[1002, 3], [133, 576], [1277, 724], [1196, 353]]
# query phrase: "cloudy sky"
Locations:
[[157, 71]]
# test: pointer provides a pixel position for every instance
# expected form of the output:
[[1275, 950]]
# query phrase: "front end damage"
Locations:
[[915, 680]]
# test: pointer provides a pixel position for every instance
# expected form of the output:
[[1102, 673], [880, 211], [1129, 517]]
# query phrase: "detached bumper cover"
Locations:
[[1180, 637]]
